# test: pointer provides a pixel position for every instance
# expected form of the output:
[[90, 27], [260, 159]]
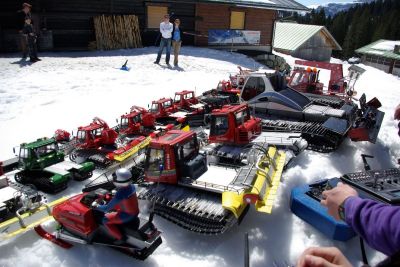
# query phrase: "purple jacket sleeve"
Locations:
[[377, 223]]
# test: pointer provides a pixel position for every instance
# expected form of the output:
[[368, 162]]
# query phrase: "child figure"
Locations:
[[32, 38]]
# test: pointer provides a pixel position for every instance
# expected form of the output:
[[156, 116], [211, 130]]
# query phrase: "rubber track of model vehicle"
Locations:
[[318, 137], [331, 101], [197, 212]]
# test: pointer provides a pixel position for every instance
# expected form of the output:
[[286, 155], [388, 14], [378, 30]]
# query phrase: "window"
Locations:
[[219, 125], [187, 150], [254, 87], [154, 107], [44, 150], [81, 136], [97, 132], [296, 78], [277, 82], [137, 118], [124, 123], [242, 116], [154, 158], [24, 153], [155, 15], [167, 104], [237, 20]]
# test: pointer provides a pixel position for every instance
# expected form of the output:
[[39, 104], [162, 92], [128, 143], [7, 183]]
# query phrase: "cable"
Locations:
[[364, 255]]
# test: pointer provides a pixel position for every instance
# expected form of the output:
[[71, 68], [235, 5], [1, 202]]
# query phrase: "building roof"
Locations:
[[287, 5], [382, 48], [290, 36]]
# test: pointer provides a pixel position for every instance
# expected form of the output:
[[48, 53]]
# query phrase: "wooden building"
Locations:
[[243, 23], [309, 42], [383, 55]]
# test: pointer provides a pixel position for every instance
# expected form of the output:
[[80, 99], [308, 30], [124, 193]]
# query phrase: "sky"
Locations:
[[316, 2]]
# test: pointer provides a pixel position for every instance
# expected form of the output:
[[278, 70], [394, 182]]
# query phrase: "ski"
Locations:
[[52, 238], [28, 220]]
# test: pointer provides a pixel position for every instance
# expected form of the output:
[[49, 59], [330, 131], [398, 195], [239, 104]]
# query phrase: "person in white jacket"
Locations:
[[166, 28]]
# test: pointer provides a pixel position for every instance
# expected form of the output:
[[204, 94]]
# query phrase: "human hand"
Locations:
[[323, 257], [333, 198]]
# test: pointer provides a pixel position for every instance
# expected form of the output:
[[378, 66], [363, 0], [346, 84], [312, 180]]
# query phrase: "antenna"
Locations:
[[246, 250]]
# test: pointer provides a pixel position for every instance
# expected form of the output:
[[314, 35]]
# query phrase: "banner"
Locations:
[[225, 37]]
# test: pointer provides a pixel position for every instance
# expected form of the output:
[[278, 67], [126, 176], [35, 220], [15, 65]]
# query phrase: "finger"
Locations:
[[328, 253], [300, 261], [314, 261], [325, 194], [339, 184], [324, 202]]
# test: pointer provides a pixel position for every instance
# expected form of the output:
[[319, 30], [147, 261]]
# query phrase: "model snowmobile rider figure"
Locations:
[[123, 208]]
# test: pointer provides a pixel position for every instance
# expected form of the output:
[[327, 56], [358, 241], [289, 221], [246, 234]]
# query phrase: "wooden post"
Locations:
[[392, 66]]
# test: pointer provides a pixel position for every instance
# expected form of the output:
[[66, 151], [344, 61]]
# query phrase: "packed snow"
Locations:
[[67, 90]]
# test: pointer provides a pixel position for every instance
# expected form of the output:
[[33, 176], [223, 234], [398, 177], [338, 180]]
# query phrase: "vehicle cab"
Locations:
[[233, 124], [162, 108]]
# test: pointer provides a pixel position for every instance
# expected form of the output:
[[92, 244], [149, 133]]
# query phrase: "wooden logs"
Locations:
[[117, 32]]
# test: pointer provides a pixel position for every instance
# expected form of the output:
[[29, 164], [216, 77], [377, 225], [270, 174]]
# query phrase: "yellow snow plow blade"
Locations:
[[264, 178], [15, 226], [133, 150], [233, 202], [269, 173]]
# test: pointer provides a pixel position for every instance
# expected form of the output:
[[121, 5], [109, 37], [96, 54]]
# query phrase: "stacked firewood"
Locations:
[[117, 32]]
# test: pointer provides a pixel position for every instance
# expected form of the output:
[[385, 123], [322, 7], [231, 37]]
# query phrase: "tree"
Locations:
[[359, 25]]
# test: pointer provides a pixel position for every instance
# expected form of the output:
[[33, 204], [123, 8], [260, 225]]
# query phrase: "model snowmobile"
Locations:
[[81, 223]]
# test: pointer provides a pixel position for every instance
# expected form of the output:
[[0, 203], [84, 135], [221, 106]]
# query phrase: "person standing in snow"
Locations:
[[32, 39], [377, 223], [166, 34], [176, 40], [25, 13]]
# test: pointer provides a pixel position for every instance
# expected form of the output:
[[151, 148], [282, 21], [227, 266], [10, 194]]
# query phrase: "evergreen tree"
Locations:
[[360, 24]]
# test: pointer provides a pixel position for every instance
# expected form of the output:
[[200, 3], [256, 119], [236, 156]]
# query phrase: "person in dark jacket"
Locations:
[[377, 223], [24, 13], [32, 39], [176, 40]]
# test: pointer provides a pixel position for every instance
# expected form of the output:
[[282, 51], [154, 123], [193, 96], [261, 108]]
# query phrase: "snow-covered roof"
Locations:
[[289, 5], [384, 48], [290, 36]]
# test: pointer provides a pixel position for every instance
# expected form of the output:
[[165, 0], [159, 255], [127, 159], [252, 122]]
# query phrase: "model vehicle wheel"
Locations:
[[19, 177], [73, 156]]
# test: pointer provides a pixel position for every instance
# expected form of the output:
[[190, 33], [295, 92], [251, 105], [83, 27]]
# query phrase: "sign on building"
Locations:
[[225, 37]]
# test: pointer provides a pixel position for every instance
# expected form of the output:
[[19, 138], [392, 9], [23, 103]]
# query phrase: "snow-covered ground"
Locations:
[[67, 90]]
